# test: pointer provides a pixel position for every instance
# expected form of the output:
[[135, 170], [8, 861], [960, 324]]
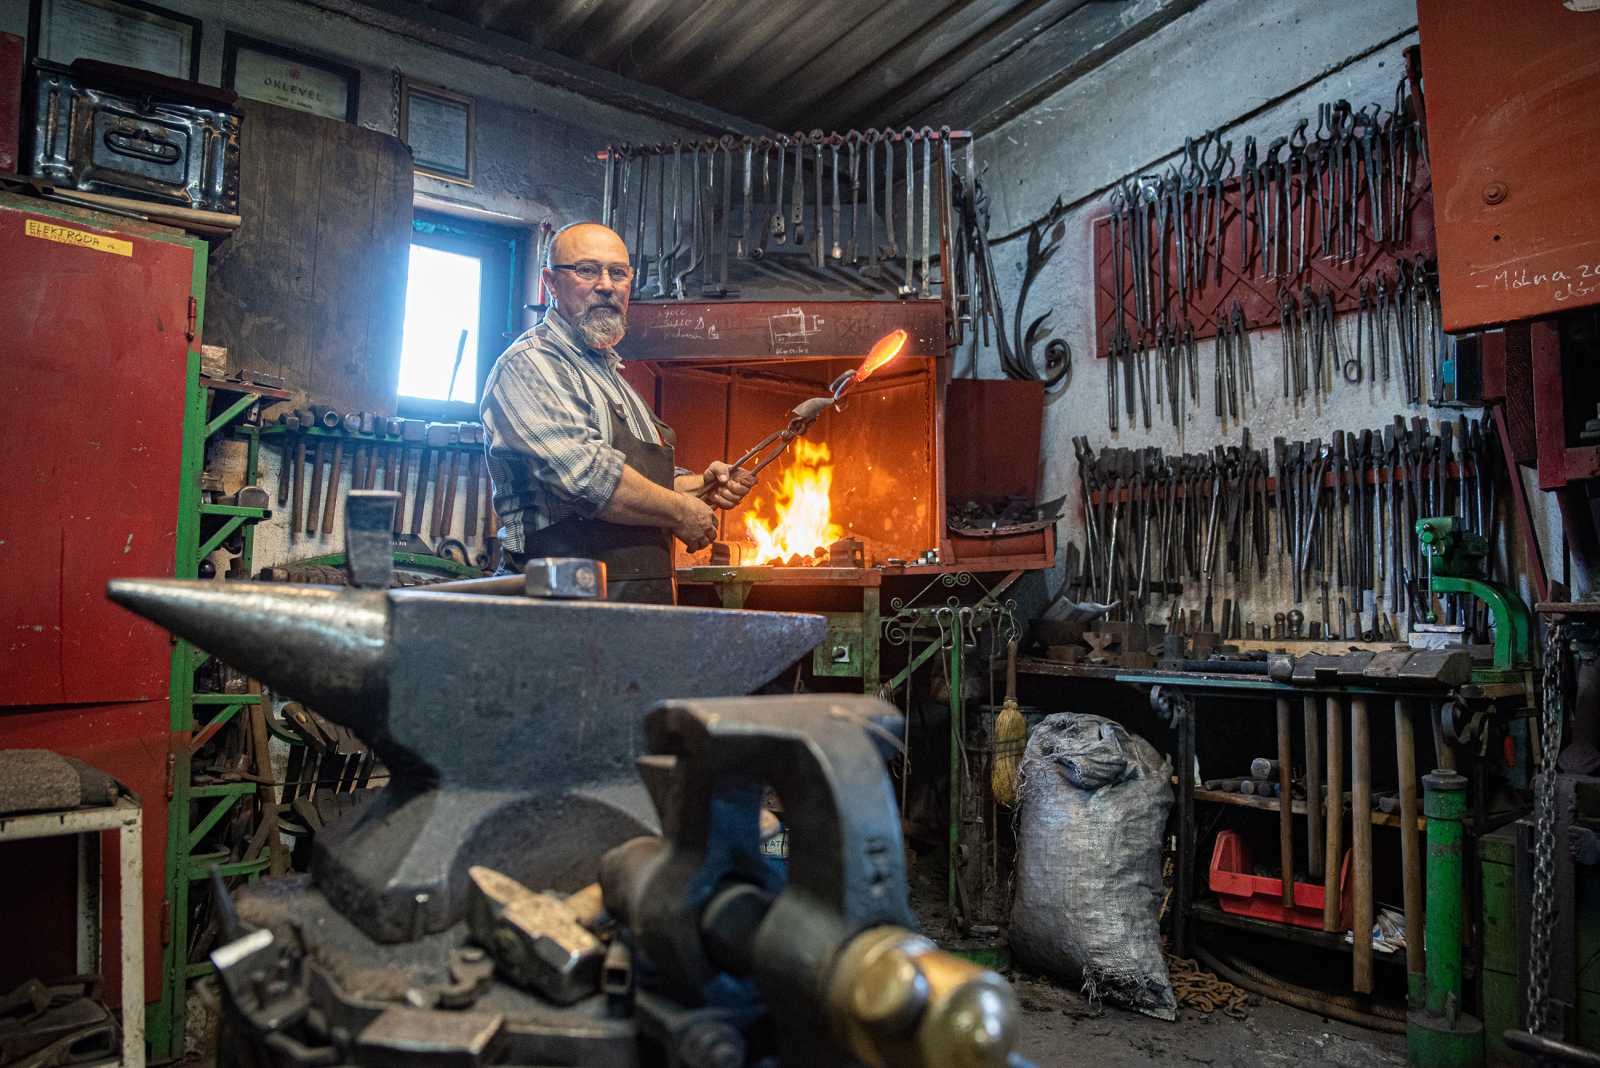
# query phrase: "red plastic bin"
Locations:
[[1261, 896]]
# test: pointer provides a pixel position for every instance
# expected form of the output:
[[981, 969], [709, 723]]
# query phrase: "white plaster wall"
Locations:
[[1253, 69]]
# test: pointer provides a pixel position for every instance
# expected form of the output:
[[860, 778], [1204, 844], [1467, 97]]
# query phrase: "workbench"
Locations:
[[1196, 691]]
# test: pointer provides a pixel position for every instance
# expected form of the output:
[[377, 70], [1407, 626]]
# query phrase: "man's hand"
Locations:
[[727, 486], [696, 525]]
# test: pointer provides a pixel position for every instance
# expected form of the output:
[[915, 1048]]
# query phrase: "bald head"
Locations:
[[597, 307], [580, 241]]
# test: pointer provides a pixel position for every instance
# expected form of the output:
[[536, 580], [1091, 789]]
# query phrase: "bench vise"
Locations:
[[1456, 565]]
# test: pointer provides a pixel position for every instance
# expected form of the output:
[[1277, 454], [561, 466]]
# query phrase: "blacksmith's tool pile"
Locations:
[[1332, 519], [425, 932], [449, 457]]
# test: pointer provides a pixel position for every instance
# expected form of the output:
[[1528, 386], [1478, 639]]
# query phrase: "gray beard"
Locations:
[[602, 327]]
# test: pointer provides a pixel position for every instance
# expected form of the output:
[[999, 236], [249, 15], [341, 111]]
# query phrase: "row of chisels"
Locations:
[[448, 457]]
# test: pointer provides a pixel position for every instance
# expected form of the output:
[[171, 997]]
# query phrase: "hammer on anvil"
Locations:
[[510, 725]]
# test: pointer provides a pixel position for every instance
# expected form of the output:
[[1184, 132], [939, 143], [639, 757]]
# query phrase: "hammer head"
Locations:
[[535, 939]]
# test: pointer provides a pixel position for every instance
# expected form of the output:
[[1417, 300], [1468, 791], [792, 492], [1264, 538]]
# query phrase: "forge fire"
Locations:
[[795, 524]]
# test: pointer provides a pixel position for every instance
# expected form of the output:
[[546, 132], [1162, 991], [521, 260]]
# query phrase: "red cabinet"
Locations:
[[97, 323]]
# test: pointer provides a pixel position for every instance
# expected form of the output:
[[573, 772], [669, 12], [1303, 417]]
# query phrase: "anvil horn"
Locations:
[[321, 645]]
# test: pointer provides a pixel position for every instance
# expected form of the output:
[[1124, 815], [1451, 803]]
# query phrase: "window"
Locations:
[[443, 294], [463, 301]]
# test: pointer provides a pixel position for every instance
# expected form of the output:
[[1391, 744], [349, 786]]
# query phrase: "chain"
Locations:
[[1544, 833], [394, 100]]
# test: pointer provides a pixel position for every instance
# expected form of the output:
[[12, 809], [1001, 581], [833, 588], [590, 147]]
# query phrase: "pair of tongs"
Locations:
[[804, 414]]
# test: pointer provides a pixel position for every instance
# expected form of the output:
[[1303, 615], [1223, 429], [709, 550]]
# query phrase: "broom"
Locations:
[[1010, 735]]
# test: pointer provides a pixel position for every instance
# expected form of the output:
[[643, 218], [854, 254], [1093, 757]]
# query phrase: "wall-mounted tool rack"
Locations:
[[447, 455], [1339, 517], [858, 214], [1226, 262]]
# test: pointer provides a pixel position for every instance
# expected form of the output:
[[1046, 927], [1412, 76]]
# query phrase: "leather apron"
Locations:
[[638, 559]]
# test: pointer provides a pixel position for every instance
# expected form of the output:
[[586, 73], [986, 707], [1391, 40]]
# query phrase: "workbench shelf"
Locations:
[[1208, 914], [1270, 804]]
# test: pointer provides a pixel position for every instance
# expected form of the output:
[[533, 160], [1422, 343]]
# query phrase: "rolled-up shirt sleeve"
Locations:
[[536, 414]]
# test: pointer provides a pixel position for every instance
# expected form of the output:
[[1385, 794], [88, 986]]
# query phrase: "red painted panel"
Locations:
[[10, 101], [1514, 139], [128, 741], [91, 429], [992, 438]]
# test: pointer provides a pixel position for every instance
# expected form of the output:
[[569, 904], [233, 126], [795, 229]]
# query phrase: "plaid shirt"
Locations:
[[547, 414]]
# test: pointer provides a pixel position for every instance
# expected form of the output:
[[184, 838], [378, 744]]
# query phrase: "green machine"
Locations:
[[1456, 565], [1439, 1031]]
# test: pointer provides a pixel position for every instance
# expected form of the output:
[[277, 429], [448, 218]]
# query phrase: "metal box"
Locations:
[[100, 129]]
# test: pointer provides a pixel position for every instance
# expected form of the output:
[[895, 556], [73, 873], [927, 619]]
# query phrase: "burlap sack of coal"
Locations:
[[1093, 803]]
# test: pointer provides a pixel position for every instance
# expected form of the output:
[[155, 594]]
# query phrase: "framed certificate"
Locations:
[[276, 74], [438, 125], [131, 33]]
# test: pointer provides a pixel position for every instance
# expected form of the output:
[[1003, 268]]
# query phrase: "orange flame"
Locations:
[[801, 522], [887, 348]]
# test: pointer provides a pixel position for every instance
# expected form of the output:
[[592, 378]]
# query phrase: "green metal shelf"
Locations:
[[202, 528]]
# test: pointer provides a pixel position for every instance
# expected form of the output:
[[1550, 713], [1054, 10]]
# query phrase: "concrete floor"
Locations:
[[1059, 1027]]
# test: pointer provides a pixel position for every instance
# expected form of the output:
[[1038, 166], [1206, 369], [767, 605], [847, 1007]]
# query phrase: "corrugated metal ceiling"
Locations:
[[825, 64]]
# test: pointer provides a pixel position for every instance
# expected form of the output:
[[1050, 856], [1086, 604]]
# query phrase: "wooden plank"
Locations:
[[312, 286], [1270, 804], [343, 210]]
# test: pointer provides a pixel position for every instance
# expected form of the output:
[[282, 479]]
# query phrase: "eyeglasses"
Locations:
[[589, 271]]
